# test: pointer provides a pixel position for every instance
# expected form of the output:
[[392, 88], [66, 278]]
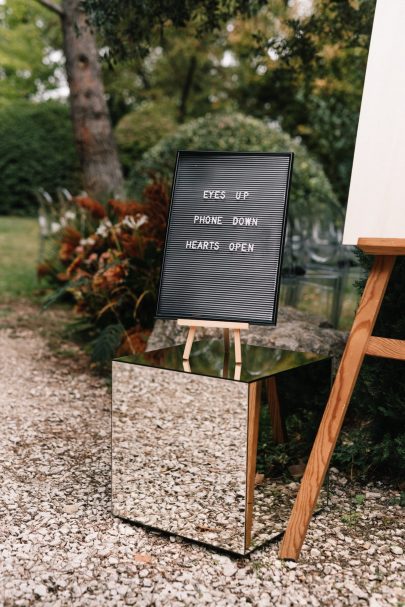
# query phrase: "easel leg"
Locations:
[[336, 407], [189, 343], [238, 348], [274, 411], [252, 438]]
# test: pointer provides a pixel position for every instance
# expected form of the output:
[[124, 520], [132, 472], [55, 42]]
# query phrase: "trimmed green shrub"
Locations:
[[373, 440], [312, 198], [140, 129], [36, 151]]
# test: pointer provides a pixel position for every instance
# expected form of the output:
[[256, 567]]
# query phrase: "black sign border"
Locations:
[[180, 153]]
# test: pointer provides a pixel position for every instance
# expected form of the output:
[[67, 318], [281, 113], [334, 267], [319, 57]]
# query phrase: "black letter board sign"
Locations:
[[225, 237]]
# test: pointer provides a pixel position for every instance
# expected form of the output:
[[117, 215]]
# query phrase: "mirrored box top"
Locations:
[[209, 358]]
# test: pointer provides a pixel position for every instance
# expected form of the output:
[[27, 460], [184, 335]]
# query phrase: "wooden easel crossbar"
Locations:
[[360, 342]]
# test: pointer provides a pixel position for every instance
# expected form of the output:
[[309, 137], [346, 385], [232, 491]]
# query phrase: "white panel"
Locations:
[[376, 207]]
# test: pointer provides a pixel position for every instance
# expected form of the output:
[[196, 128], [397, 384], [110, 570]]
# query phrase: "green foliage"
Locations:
[[129, 26], [28, 34], [183, 79], [359, 499], [104, 347], [374, 438], [313, 72], [189, 72], [306, 72], [351, 519], [60, 293], [311, 198], [140, 129], [302, 396], [36, 151]]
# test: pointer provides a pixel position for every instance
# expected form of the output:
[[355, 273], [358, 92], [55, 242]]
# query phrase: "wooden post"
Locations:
[[360, 343]]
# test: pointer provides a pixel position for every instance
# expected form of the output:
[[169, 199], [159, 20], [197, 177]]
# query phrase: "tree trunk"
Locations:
[[102, 175]]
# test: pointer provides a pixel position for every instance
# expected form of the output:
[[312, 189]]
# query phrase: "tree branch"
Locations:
[[187, 88], [55, 8]]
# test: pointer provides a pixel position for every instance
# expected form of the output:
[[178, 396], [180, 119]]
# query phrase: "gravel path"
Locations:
[[59, 545]]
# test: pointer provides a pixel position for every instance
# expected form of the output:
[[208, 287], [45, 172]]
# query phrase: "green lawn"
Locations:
[[19, 242]]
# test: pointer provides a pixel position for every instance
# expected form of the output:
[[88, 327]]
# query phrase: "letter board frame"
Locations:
[[203, 282]]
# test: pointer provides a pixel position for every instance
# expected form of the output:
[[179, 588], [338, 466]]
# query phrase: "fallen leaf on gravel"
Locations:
[[296, 470], [142, 558], [259, 478]]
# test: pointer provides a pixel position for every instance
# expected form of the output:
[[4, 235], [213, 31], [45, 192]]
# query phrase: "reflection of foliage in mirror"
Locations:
[[303, 394]]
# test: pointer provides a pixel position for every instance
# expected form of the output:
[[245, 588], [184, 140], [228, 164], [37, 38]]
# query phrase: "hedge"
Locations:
[[312, 198], [140, 129], [36, 151]]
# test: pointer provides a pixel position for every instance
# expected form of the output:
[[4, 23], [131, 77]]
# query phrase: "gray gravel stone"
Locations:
[[55, 452]]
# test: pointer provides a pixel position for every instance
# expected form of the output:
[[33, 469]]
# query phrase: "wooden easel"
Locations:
[[360, 342], [236, 327]]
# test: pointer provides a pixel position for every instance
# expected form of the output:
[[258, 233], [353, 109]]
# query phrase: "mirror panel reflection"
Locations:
[[291, 407], [211, 459], [179, 453]]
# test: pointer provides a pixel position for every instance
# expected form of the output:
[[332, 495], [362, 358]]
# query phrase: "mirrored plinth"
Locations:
[[210, 450]]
